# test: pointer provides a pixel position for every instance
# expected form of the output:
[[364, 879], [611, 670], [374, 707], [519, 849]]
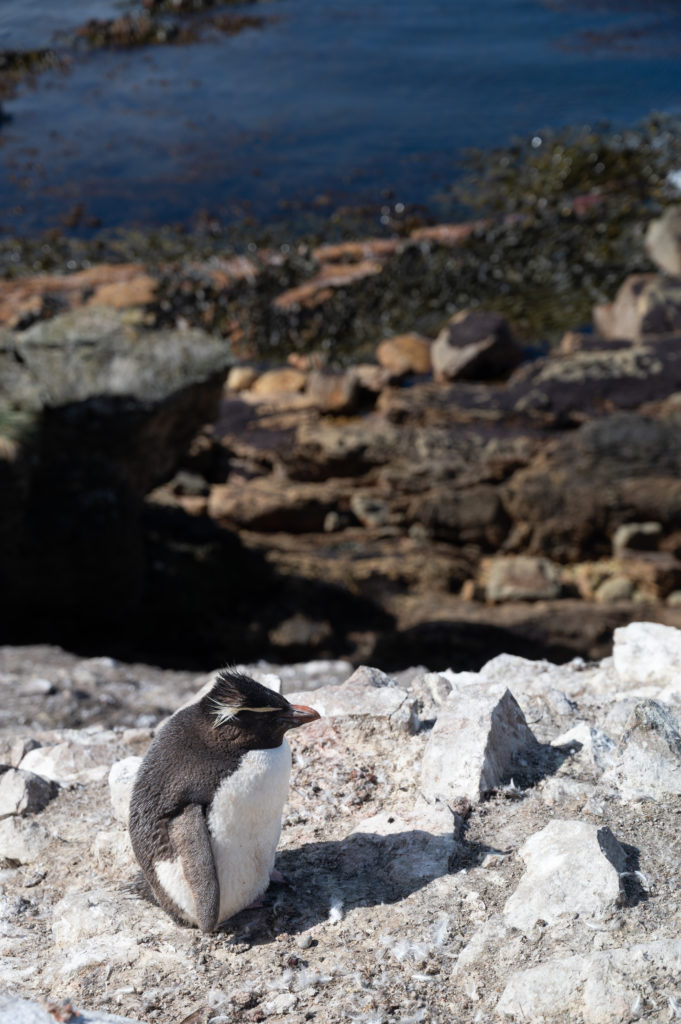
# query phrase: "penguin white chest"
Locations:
[[244, 822]]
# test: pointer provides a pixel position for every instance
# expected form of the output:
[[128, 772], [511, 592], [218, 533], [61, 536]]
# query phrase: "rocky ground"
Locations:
[[456, 496], [452, 850]]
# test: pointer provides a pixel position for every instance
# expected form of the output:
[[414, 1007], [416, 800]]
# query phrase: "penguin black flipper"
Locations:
[[188, 833]]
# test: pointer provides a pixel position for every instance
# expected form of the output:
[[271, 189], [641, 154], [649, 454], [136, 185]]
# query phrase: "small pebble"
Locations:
[[304, 941]]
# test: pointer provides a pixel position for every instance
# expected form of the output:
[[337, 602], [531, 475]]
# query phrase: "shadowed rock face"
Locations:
[[99, 412]]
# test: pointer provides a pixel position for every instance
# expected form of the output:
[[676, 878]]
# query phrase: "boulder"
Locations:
[[598, 988], [23, 792], [572, 867], [405, 353], [284, 380], [593, 746], [368, 691], [70, 761], [474, 346], [22, 840], [101, 411], [663, 241], [121, 782], [647, 653], [333, 392], [649, 763], [479, 740], [646, 306], [521, 578]]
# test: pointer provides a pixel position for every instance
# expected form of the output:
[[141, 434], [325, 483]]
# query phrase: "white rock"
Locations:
[[599, 988], [121, 781], [649, 763], [22, 840], [23, 792], [648, 653], [20, 1011], [12, 751], [70, 761], [588, 744], [83, 915], [492, 933], [112, 851], [478, 741], [368, 691], [572, 867], [412, 849]]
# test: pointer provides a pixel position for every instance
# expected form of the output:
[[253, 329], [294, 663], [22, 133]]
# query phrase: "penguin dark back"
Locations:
[[205, 813]]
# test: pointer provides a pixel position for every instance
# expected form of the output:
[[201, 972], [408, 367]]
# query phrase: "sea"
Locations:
[[329, 104]]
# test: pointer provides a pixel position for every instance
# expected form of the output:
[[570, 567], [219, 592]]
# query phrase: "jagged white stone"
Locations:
[[572, 867], [477, 742]]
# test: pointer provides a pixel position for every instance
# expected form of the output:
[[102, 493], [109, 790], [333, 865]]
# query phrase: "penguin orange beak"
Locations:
[[299, 714]]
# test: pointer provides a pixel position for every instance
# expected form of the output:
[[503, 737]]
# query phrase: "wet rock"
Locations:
[[121, 781], [663, 241], [22, 841], [647, 653], [522, 578], [22, 792], [405, 353], [649, 763], [598, 988], [474, 346], [479, 740], [646, 306], [572, 867]]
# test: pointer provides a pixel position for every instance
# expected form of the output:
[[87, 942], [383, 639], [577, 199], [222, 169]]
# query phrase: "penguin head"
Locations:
[[249, 714]]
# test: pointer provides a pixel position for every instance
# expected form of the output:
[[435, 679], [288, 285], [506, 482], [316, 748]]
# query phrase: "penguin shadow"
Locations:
[[323, 880]]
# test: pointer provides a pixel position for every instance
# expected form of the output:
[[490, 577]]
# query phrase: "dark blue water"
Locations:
[[341, 101]]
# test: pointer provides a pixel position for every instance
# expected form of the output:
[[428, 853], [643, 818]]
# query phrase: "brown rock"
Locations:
[[282, 381], [355, 252], [115, 285], [474, 346], [522, 578], [646, 306], [663, 241], [269, 506], [319, 289], [333, 392], [137, 291], [405, 353], [448, 235], [241, 378]]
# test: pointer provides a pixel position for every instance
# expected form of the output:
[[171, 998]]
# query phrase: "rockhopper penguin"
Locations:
[[205, 814]]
